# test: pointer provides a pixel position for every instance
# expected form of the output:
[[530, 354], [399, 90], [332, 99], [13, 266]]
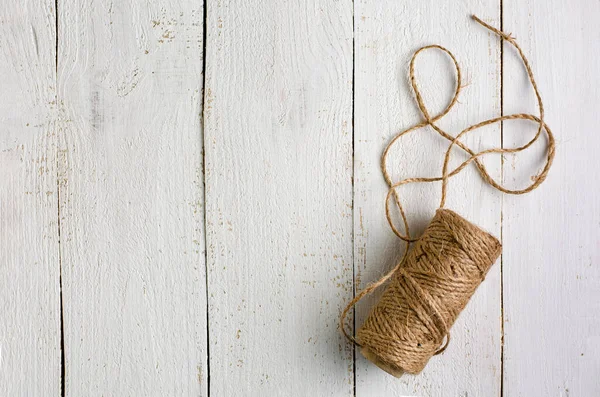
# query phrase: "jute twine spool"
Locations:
[[434, 281]]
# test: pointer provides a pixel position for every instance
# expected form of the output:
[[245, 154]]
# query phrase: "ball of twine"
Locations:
[[434, 281], [425, 296]]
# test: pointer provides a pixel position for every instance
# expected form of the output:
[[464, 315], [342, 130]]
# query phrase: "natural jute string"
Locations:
[[433, 282]]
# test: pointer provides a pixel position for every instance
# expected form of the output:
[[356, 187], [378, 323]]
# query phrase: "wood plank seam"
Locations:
[[59, 167], [203, 123], [353, 230], [501, 202]]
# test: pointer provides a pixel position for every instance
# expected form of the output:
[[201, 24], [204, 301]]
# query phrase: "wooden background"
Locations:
[[190, 193]]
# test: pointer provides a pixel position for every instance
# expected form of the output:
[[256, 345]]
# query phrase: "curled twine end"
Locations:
[[474, 157], [506, 36]]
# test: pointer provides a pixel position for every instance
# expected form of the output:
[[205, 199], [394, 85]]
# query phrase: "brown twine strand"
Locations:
[[429, 287]]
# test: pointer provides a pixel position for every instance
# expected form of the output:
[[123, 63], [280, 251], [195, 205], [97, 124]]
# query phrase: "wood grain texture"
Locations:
[[279, 196], [386, 35], [130, 97], [552, 236], [29, 260]]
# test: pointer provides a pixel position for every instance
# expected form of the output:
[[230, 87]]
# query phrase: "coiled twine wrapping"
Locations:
[[425, 295]]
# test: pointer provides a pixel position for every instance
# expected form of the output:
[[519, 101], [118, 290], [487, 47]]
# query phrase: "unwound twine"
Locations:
[[432, 283]]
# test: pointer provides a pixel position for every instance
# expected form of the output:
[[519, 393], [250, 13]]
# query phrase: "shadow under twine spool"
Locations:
[[434, 281]]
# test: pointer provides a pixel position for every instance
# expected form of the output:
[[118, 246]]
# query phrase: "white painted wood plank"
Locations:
[[552, 236], [387, 34], [279, 196], [130, 90], [29, 263]]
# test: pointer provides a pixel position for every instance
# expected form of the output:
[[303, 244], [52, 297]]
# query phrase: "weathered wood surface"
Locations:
[[279, 196], [387, 34], [109, 144], [131, 197], [30, 334], [552, 236]]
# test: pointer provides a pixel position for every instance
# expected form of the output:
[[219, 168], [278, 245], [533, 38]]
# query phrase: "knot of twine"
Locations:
[[432, 285]]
